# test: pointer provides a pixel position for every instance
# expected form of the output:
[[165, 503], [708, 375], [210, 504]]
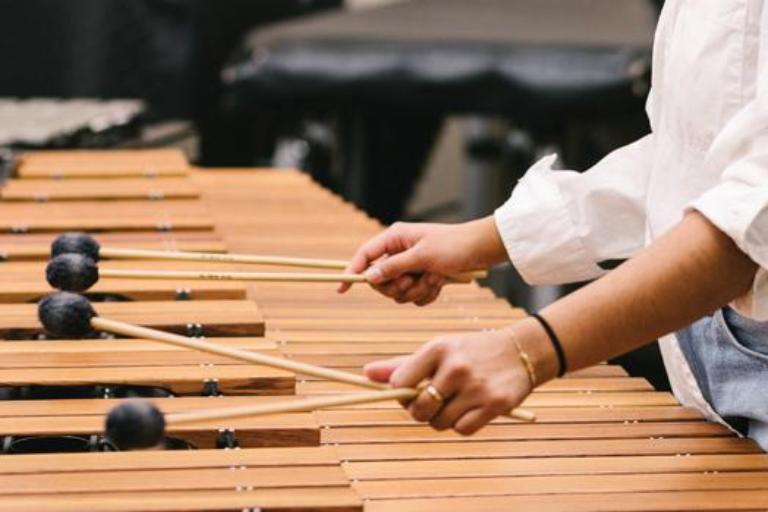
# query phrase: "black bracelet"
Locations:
[[555, 343]]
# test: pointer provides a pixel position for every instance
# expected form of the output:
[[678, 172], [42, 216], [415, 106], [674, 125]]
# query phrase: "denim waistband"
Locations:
[[728, 355]]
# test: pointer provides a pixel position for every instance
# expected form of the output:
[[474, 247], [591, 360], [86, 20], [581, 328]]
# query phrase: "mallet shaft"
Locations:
[[304, 277], [285, 261], [136, 331], [311, 404], [294, 277], [115, 253]]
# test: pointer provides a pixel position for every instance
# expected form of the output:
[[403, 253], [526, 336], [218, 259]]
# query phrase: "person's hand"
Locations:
[[479, 375], [410, 262]]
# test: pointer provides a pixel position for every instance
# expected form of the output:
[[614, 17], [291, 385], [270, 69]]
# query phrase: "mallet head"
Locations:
[[66, 315], [79, 243], [72, 272], [135, 425]]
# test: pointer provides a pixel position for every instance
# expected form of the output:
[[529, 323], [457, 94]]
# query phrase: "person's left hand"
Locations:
[[479, 375]]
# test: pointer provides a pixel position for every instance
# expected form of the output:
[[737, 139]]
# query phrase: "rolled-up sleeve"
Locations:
[[559, 226], [738, 204]]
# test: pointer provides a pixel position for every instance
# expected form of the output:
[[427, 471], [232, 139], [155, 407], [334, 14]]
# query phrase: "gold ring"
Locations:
[[434, 394]]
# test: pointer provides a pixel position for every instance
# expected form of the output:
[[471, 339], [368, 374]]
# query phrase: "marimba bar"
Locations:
[[194, 318], [37, 246], [20, 282], [131, 215], [104, 164], [99, 189]]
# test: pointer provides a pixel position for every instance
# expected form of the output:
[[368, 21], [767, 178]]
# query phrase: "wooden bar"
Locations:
[[31, 217], [16, 288], [178, 379], [99, 189], [69, 164], [216, 318], [37, 246], [328, 499]]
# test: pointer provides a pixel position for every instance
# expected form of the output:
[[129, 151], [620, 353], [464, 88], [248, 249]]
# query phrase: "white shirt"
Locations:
[[708, 151]]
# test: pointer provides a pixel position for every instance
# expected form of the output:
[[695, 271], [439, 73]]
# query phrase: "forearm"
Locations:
[[685, 274]]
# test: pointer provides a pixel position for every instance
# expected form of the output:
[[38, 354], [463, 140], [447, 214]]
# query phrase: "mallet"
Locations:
[[83, 243], [138, 424], [76, 273], [70, 315]]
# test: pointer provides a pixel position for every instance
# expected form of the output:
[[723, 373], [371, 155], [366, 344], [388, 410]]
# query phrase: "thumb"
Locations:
[[395, 266], [380, 371]]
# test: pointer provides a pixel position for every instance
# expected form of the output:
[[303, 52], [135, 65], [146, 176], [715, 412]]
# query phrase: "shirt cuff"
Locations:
[[740, 210], [539, 234]]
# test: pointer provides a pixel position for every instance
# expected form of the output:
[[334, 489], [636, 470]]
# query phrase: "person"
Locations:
[[686, 207]]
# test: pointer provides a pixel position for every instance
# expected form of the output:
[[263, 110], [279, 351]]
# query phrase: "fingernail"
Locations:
[[374, 275]]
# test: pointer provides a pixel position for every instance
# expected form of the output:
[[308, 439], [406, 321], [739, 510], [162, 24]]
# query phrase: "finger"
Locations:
[[397, 286], [474, 420], [395, 289], [406, 262], [421, 289], [380, 371], [419, 366], [454, 410], [370, 251], [432, 297], [425, 406], [436, 285], [356, 265], [450, 377]]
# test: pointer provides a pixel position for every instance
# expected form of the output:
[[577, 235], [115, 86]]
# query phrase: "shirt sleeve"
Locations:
[[560, 226], [738, 204]]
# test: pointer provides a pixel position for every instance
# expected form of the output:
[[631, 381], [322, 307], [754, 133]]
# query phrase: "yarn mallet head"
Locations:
[[72, 272], [135, 425], [77, 243], [66, 315]]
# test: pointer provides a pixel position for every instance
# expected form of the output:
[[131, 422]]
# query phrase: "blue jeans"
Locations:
[[728, 355]]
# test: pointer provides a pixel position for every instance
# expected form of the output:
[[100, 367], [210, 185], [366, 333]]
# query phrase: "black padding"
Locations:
[[72, 272], [134, 425], [66, 314], [80, 243]]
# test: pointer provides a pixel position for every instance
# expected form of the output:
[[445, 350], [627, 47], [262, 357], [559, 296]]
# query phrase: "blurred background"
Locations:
[[425, 110]]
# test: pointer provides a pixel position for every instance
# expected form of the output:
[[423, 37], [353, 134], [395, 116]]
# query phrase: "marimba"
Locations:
[[602, 440]]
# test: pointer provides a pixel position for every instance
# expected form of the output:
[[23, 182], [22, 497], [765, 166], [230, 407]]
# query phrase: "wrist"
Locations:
[[534, 341], [486, 246]]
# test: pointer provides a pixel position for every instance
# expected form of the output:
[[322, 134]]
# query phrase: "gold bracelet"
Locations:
[[526, 360]]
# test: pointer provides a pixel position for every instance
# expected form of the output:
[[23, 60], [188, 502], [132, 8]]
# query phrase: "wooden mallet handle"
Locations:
[[285, 261], [310, 404], [116, 253], [136, 331], [283, 277], [305, 405]]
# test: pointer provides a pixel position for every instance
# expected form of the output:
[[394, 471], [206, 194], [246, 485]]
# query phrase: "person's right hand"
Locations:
[[410, 262]]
